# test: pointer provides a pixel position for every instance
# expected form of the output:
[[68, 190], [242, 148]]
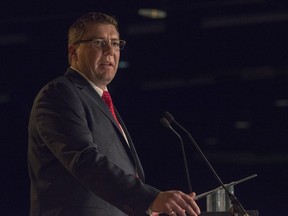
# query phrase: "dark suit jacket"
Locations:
[[79, 161]]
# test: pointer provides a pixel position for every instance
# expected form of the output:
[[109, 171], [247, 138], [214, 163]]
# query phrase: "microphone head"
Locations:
[[168, 117], [165, 122]]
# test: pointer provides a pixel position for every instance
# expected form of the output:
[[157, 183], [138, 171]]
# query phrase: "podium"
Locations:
[[250, 212], [218, 202]]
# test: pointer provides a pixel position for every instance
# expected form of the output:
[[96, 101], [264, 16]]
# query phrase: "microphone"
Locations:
[[166, 123], [236, 205]]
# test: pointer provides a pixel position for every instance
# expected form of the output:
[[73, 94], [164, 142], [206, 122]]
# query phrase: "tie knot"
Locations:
[[108, 100], [107, 97]]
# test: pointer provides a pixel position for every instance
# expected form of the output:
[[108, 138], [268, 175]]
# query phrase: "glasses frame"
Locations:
[[121, 43]]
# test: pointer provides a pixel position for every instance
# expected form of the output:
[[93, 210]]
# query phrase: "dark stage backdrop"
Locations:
[[219, 67]]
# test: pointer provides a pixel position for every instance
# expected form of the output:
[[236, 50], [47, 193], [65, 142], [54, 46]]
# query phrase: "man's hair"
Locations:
[[78, 28]]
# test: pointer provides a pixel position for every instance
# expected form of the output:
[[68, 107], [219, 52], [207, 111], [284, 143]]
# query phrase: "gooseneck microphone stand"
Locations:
[[166, 123], [237, 208]]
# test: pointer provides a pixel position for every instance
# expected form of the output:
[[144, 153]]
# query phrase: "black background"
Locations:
[[220, 67]]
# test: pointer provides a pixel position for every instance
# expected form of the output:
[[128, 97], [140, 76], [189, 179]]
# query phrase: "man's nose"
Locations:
[[108, 50]]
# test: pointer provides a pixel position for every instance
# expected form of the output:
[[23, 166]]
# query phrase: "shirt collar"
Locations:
[[97, 89]]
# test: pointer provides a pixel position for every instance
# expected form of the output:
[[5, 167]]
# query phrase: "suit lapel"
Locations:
[[87, 89], [132, 149]]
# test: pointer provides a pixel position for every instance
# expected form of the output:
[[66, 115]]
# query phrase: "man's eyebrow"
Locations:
[[103, 37]]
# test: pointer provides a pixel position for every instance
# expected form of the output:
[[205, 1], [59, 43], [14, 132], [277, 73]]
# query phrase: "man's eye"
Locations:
[[115, 43], [99, 42]]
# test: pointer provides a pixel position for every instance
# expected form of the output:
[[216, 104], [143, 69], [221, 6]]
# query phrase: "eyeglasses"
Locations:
[[102, 43]]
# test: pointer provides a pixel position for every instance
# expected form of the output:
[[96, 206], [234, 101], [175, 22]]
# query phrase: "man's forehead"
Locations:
[[101, 28]]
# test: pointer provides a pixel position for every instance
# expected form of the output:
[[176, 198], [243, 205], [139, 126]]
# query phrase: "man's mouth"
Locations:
[[106, 64]]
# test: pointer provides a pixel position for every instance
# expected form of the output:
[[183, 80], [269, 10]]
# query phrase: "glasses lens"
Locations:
[[118, 44], [102, 44], [99, 43], [122, 44]]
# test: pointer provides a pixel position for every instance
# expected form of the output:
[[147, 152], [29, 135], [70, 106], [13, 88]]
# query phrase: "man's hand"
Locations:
[[175, 203]]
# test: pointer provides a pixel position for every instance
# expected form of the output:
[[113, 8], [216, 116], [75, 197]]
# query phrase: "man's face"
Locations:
[[98, 64]]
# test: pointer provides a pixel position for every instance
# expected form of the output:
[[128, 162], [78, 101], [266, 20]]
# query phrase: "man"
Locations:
[[82, 161]]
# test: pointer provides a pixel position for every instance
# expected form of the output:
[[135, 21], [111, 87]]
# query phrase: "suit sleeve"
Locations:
[[62, 123]]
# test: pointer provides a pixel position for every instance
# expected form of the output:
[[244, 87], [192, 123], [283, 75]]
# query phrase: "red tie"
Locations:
[[108, 100]]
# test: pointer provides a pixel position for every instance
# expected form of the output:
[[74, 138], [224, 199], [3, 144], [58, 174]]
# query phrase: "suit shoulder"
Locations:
[[60, 88]]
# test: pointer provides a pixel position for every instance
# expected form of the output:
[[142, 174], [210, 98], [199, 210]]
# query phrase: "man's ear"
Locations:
[[73, 53]]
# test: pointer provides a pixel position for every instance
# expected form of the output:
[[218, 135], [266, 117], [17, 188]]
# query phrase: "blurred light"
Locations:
[[4, 98], [13, 39], [211, 141], [244, 19], [152, 13], [242, 124], [281, 103], [124, 64]]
